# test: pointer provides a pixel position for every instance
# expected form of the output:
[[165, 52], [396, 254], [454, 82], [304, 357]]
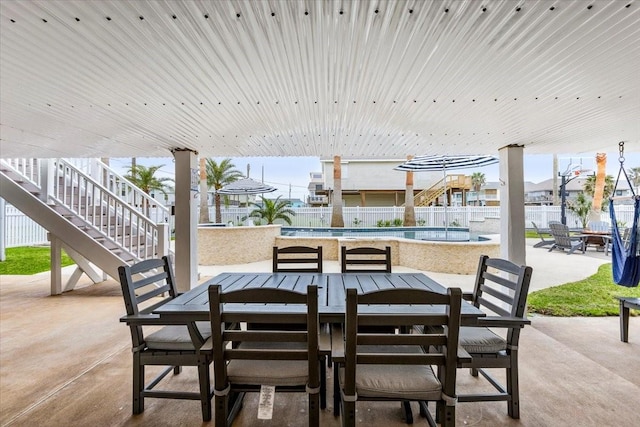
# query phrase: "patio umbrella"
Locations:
[[246, 186], [444, 163]]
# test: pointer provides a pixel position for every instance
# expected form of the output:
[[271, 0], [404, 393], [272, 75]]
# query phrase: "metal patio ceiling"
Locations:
[[361, 79]]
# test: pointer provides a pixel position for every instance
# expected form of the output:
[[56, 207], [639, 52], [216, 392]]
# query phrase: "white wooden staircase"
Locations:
[[99, 218]]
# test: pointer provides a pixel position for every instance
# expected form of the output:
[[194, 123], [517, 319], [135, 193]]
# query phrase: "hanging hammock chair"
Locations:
[[625, 255]]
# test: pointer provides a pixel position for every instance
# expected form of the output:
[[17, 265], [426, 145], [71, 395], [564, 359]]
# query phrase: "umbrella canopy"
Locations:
[[438, 163], [246, 186]]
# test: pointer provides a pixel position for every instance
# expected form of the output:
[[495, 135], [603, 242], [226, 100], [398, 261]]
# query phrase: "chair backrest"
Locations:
[[146, 285], [366, 260], [297, 259], [440, 317], [560, 233], [502, 287], [535, 227], [301, 309]]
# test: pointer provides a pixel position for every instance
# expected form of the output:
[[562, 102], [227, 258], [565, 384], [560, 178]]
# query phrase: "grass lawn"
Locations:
[[593, 296], [27, 260]]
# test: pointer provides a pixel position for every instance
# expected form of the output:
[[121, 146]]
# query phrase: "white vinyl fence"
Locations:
[[425, 216], [20, 230]]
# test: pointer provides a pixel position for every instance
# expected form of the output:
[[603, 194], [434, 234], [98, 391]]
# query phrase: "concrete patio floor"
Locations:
[[66, 360]]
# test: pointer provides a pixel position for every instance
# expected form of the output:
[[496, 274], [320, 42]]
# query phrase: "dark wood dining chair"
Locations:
[[399, 366], [145, 286], [297, 259], [302, 259], [244, 360], [365, 260], [501, 290]]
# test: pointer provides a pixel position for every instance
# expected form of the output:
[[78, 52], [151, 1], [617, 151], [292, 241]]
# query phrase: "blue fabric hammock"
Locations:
[[626, 261]]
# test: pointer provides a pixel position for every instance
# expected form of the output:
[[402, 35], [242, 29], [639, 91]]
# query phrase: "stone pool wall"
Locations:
[[238, 245]]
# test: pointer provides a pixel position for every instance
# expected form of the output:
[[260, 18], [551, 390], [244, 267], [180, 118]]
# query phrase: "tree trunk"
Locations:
[[337, 220], [409, 210], [204, 197], [218, 212], [598, 190]]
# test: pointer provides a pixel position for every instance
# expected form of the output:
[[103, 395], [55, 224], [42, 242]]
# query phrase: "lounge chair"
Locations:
[[543, 240], [563, 239]]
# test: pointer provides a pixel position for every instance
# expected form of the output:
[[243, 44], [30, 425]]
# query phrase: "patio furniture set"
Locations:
[[387, 336], [560, 237]]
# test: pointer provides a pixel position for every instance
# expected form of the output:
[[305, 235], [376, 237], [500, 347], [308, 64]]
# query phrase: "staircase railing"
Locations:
[[429, 195], [105, 211], [125, 189]]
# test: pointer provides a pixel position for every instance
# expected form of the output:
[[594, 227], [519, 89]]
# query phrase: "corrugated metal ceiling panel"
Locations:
[[310, 78]]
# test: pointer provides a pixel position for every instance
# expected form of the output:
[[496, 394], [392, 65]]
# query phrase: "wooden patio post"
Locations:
[[409, 210], [337, 220]]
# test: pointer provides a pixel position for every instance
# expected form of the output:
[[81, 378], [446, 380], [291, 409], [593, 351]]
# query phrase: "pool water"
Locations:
[[455, 234]]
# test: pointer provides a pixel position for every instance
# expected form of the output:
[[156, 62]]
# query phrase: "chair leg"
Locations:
[[624, 322], [323, 384], [221, 407], [408, 413], [138, 385], [513, 388], [348, 414], [314, 410], [177, 370], [336, 391], [448, 418], [205, 388]]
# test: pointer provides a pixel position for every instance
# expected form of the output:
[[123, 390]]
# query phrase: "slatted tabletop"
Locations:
[[194, 304]]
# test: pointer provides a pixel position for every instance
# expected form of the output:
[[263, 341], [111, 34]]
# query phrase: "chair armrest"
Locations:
[[324, 341], [503, 322], [337, 343], [463, 356], [142, 319], [467, 296]]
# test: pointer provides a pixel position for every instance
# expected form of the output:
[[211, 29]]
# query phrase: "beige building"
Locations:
[[371, 183]]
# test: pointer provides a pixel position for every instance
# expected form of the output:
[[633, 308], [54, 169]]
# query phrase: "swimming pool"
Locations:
[[455, 234]]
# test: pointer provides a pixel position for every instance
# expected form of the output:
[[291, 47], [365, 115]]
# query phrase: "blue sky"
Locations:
[[292, 173]]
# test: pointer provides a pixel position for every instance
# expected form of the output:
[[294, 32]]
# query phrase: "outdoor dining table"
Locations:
[[193, 305]]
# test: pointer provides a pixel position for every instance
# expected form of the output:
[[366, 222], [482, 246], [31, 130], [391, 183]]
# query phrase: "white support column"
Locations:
[[512, 224], [186, 243], [56, 265]]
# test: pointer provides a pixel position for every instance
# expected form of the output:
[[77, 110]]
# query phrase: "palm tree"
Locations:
[[589, 187], [581, 206], [270, 210], [144, 178], [477, 181], [219, 175]]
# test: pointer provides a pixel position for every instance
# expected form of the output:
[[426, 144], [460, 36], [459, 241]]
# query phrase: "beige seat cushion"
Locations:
[[176, 337], [269, 372], [411, 382], [481, 340]]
